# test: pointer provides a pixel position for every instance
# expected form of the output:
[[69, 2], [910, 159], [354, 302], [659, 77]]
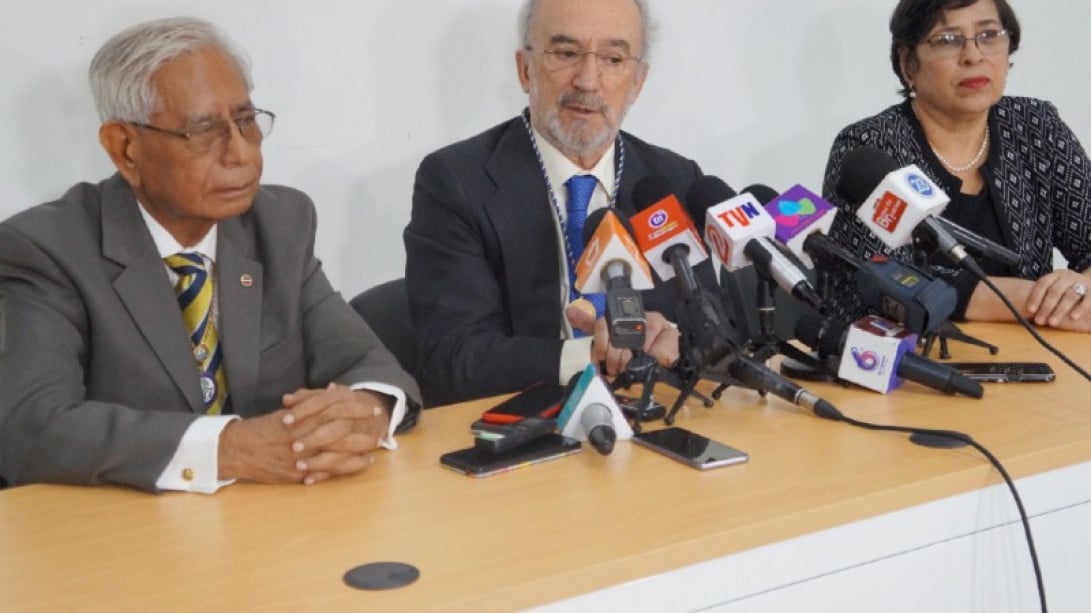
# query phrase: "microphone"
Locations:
[[762, 192], [741, 232], [590, 413], [666, 235], [979, 245], [612, 262], [882, 355], [800, 216], [608, 250], [597, 422], [903, 205], [897, 291], [866, 167], [757, 376]]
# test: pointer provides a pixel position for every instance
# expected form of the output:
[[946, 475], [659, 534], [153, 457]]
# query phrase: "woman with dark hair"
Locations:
[[1014, 171]]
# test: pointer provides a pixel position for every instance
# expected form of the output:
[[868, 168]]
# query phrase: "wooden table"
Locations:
[[549, 532]]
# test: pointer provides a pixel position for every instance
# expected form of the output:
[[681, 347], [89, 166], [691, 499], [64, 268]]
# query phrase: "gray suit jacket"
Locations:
[[96, 371]]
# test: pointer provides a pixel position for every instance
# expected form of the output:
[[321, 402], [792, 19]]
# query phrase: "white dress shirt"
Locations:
[[576, 352], [195, 464]]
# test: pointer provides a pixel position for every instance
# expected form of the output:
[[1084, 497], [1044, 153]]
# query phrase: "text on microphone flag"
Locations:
[[889, 210]]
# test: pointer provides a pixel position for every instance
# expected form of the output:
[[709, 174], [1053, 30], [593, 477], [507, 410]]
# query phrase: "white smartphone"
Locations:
[[690, 448]]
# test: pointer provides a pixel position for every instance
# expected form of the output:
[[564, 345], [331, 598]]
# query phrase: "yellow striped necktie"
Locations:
[[196, 293]]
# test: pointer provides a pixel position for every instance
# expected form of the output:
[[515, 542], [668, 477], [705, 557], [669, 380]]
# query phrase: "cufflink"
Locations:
[[187, 474]]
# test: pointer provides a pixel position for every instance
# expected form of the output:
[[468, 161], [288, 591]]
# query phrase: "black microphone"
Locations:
[[763, 193], [735, 226], [706, 191], [979, 245], [666, 234], [866, 169], [828, 337], [757, 376]]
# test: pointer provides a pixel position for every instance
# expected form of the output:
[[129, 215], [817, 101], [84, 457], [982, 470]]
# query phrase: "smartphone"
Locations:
[[690, 448], [540, 400], [1005, 372], [477, 462], [629, 405]]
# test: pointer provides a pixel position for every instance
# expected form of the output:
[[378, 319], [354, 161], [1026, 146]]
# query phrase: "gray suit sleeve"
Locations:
[[339, 345], [48, 431]]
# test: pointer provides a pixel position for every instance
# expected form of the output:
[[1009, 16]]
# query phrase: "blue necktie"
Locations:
[[580, 188]]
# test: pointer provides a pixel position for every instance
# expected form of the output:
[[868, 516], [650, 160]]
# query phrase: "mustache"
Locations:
[[583, 99]]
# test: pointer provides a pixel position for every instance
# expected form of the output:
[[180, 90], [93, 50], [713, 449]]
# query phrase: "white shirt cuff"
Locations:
[[396, 416], [575, 356], [195, 466]]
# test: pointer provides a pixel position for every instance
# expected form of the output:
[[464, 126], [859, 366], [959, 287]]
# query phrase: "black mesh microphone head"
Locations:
[[762, 193], [594, 220], [861, 171], [651, 189], [707, 191]]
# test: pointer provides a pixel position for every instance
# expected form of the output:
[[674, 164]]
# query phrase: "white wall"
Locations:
[[363, 89]]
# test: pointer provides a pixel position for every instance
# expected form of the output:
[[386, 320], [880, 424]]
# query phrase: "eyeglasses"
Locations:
[[253, 125], [951, 44], [610, 62]]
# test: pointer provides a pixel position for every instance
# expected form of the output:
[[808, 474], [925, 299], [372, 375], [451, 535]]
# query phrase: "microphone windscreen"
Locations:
[[650, 190], [706, 192], [762, 193], [861, 172], [594, 220]]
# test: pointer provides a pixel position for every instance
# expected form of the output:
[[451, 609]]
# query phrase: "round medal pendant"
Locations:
[[208, 388], [584, 305], [200, 353]]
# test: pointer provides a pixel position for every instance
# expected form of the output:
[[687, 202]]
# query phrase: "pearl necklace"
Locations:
[[958, 169]]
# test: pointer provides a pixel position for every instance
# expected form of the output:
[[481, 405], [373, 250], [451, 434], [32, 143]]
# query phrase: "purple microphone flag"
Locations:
[[795, 210]]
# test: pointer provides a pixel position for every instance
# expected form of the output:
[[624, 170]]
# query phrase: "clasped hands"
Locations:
[[319, 433], [660, 340]]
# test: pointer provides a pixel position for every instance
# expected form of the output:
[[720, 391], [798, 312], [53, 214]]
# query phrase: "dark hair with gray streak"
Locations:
[[647, 26], [122, 70], [914, 19]]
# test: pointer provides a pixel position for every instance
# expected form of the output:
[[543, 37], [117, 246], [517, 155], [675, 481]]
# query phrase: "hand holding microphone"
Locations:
[[612, 263]]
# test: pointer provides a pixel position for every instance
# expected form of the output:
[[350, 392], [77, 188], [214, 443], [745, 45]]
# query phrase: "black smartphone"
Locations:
[[690, 448], [541, 400], [1005, 372], [477, 462]]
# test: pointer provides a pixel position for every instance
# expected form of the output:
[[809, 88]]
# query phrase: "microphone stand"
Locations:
[[946, 330], [768, 343], [643, 369], [705, 348]]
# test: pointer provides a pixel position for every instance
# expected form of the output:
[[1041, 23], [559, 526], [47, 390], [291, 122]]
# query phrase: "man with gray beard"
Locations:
[[496, 222]]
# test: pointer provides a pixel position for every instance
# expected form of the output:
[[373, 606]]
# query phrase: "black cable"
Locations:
[[965, 438], [976, 269]]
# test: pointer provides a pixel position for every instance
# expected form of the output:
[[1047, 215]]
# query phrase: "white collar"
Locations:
[[166, 244], [560, 169]]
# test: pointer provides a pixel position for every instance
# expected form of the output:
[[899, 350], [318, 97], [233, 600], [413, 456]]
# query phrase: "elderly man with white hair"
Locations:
[[496, 226], [170, 326]]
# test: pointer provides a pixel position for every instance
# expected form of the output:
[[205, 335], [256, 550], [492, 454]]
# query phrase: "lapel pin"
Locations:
[[246, 280]]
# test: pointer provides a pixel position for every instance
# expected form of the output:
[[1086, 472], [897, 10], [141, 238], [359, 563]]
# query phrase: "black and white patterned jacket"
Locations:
[[1037, 174]]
